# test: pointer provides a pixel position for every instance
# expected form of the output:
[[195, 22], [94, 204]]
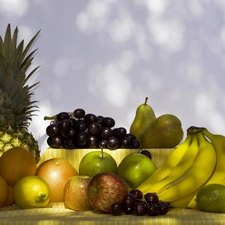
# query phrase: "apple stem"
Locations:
[[102, 152]]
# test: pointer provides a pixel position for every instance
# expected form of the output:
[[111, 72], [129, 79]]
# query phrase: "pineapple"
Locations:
[[16, 104]]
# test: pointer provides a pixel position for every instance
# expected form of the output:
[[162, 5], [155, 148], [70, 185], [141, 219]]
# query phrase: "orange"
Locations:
[[10, 197], [3, 191], [56, 172], [15, 164]]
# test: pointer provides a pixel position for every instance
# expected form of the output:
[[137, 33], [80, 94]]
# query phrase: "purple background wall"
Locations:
[[107, 55]]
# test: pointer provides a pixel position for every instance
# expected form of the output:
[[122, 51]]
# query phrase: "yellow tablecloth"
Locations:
[[58, 214], [74, 156]]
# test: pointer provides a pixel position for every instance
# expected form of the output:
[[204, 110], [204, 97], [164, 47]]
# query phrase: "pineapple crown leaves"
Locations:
[[16, 105]]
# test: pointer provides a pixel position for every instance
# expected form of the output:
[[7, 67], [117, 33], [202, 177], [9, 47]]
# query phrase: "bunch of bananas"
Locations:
[[199, 160]]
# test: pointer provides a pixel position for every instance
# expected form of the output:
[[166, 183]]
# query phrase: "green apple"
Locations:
[[135, 168], [95, 162]]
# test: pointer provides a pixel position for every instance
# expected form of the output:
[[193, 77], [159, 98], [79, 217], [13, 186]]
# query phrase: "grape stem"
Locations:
[[50, 117]]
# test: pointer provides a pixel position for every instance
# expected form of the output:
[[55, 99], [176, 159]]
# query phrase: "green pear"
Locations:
[[165, 132], [144, 116]]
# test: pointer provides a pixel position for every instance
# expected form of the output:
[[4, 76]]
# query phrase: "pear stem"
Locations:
[[146, 99]]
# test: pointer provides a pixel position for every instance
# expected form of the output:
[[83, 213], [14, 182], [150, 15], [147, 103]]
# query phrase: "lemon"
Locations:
[[31, 192], [211, 198]]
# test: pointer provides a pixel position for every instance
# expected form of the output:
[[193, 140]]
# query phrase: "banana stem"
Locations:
[[194, 129]]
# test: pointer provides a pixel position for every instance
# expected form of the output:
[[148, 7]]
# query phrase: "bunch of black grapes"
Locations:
[[136, 204], [86, 130]]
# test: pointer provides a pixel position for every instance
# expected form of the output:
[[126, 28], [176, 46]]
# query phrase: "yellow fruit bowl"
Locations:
[[74, 156]]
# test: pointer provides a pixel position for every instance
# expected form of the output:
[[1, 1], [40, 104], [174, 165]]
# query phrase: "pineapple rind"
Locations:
[[15, 142], [5, 137], [21, 139], [1, 146]]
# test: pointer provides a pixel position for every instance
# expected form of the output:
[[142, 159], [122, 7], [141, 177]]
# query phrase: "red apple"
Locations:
[[104, 189], [75, 193]]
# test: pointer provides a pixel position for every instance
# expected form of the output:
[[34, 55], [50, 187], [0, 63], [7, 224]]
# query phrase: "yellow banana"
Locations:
[[183, 202], [172, 160], [222, 181], [193, 178], [185, 163], [218, 141], [193, 204]]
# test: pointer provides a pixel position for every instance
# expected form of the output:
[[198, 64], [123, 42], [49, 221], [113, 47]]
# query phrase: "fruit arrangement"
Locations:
[[18, 181], [192, 176], [197, 162], [135, 167], [87, 130], [164, 131]]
